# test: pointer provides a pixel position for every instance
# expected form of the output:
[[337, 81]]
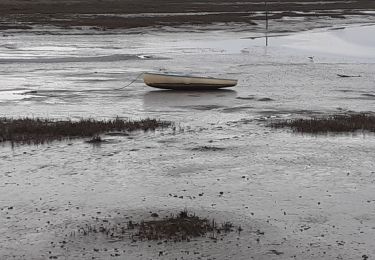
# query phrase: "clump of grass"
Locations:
[[181, 227], [207, 148], [39, 131], [227, 226], [95, 140], [178, 228], [331, 124]]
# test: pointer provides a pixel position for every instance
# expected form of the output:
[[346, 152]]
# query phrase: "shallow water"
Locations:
[[312, 196]]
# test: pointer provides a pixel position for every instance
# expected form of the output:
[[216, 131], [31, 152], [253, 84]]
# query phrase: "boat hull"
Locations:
[[176, 82]]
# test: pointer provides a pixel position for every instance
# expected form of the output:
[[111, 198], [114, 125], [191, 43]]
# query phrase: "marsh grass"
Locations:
[[95, 140], [207, 148], [39, 131], [181, 227], [348, 123]]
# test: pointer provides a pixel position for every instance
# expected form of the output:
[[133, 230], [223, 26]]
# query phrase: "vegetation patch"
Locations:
[[331, 124], [95, 140], [39, 131], [246, 98], [207, 148], [181, 227], [265, 99]]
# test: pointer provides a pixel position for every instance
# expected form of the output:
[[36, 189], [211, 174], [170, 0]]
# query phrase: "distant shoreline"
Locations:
[[117, 14]]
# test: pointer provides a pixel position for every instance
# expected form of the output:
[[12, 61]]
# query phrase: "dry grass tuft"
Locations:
[[331, 124], [39, 131]]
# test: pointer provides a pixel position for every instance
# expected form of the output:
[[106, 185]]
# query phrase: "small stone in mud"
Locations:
[[154, 215]]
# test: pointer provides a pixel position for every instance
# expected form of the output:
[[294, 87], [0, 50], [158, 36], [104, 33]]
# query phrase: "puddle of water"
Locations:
[[14, 95], [356, 42], [368, 12]]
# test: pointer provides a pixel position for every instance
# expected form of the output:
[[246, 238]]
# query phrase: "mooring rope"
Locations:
[[134, 80]]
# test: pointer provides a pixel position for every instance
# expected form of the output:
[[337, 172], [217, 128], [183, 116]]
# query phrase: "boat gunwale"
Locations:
[[187, 76]]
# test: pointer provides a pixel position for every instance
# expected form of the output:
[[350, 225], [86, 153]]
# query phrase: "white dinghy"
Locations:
[[181, 82]]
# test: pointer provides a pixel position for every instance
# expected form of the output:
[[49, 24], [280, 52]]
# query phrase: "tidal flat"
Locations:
[[294, 196]]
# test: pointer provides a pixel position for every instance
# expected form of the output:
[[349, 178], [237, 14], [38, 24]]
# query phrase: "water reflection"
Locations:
[[162, 99]]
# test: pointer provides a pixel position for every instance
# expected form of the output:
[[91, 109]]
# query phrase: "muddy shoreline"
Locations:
[[105, 15], [294, 196]]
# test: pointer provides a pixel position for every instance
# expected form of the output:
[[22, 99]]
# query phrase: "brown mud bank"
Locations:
[[105, 14]]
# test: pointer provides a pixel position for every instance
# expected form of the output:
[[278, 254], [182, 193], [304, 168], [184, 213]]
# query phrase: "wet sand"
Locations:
[[105, 14]]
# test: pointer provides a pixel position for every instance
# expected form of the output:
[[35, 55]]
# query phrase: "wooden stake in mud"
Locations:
[[266, 9]]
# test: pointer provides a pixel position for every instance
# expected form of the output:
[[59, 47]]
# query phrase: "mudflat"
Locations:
[[116, 14], [273, 193]]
